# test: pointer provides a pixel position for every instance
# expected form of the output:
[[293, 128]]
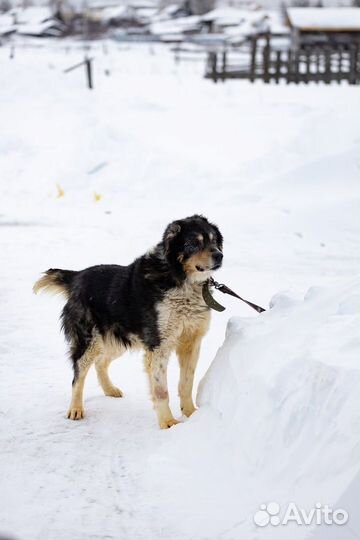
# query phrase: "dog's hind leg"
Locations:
[[156, 366], [102, 365], [81, 368]]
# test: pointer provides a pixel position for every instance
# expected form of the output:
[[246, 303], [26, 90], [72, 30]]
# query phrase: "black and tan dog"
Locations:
[[155, 304]]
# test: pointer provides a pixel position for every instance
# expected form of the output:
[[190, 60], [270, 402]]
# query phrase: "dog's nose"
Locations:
[[217, 256]]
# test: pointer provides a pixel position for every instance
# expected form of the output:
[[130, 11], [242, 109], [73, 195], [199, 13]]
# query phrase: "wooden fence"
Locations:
[[259, 59]]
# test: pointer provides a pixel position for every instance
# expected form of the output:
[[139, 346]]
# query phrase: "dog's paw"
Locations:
[[76, 413], [114, 392], [188, 410], [165, 424]]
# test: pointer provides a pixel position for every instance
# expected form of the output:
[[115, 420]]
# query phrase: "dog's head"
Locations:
[[194, 245]]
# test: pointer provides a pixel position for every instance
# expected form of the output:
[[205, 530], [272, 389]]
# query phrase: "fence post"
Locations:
[[352, 69], [318, 53], [340, 59], [88, 67], [266, 59], [289, 67], [297, 66], [214, 66], [224, 62], [253, 59], [278, 67], [307, 52], [327, 65]]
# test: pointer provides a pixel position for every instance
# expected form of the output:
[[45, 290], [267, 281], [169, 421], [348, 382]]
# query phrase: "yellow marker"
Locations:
[[97, 197], [60, 191]]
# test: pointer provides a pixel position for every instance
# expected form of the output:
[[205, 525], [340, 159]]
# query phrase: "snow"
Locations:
[[277, 168], [278, 416], [343, 18]]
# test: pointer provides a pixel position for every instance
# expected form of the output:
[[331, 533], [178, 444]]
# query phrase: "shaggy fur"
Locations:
[[155, 304]]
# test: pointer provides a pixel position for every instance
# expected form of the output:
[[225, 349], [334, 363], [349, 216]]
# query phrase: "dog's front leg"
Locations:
[[156, 366], [188, 350]]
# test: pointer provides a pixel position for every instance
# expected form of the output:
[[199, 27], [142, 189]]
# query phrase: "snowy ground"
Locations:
[[278, 169]]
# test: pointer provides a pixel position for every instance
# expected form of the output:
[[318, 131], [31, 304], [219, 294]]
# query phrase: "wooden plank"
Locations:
[[88, 64], [289, 67], [253, 59], [357, 63], [307, 52], [278, 67], [297, 67], [266, 60], [224, 62], [212, 62], [327, 74], [340, 52], [353, 63], [318, 53]]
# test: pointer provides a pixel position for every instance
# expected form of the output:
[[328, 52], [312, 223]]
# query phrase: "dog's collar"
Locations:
[[208, 297]]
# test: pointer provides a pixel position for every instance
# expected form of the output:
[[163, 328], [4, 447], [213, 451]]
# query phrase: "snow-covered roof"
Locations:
[[31, 15], [7, 30], [75, 6], [6, 25], [51, 27], [176, 26], [112, 13], [242, 22], [143, 4], [226, 15], [146, 12], [324, 19]]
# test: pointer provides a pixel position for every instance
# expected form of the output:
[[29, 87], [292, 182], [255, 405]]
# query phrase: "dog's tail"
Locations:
[[55, 281]]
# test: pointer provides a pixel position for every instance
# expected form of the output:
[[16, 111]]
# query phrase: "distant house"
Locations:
[[49, 28], [324, 25], [237, 24], [113, 16], [36, 21]]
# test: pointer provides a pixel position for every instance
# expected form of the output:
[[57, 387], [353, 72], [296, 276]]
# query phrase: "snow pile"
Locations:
[[278, 421]]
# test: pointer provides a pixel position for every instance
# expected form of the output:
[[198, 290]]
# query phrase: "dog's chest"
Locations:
[[182, 310]]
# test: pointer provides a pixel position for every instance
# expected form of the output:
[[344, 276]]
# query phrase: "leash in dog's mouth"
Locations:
[[213, 304]]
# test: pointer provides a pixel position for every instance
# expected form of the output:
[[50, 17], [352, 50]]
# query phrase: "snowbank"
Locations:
[[278, 421]]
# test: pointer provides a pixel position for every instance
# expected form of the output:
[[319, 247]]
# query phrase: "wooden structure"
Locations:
[[324, 46]]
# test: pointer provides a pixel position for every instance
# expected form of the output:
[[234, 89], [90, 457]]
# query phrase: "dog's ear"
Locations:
[[170, 233]]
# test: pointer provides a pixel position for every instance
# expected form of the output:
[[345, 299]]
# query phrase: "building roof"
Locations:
[[31, 14], [325, 19], [226, 15]]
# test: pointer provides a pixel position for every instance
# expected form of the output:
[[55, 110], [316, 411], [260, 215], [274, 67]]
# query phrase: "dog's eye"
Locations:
[[192, 245]]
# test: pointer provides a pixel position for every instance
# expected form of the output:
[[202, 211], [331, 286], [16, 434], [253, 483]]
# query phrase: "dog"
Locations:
[[154, 304]]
